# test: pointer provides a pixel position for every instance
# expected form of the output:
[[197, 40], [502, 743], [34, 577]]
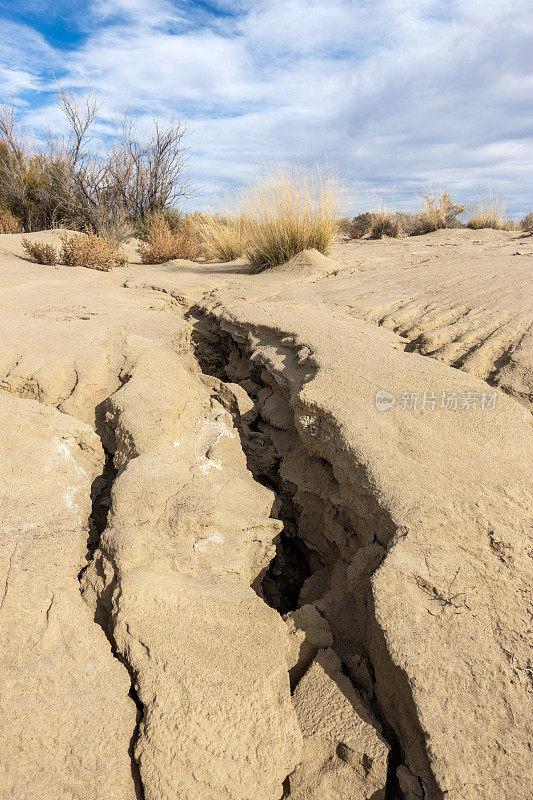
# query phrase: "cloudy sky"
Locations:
[[392, 93]]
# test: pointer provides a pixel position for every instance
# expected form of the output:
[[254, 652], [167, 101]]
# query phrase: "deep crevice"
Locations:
[[304, 550], [101, 505]]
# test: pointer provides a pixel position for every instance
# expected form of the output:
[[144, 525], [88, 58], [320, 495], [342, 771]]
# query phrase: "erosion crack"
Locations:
[[334, 536]]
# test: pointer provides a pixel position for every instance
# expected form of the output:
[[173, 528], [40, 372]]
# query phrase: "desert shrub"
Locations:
[[526, 224], [488, 212], [343, 224], [8, 222], [290, 211], [360, 225], [224, 238], [41, 252], [385, 223], [90, 250], [67, 181], [437, 212], [163, 245], [172, 216]]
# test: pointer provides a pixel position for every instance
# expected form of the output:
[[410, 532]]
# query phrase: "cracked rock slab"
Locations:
[[66, 719], [344, 754]]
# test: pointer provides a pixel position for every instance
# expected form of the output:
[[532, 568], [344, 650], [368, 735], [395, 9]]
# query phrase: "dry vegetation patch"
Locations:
[[488, 212], [225, 238], [163, 245], [8, 222], [90, 250], [291, 211], [526, 224], [41, 252]]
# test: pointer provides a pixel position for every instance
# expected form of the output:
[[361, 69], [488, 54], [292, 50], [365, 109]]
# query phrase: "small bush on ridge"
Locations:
[[437, 213], [360, 225], [90, 250], [385, 223], [41, 252], [163, 245]]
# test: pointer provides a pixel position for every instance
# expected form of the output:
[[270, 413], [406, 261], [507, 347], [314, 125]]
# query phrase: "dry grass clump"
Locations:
[[8, 222], [163, 245], [41, 252], [437, 212], [225, 238], [360, 225], [90, 250], [488, 212], [526, 224], [290, 211]]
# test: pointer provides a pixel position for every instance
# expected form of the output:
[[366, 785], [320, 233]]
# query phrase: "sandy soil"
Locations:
[[298, 506]]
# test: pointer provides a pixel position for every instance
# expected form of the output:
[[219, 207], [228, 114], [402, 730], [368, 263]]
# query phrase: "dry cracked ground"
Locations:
[[226, 572]]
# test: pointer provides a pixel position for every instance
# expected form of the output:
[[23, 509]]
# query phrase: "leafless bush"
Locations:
[[163, 245], [81, 180], [90, 250], [41, 252]]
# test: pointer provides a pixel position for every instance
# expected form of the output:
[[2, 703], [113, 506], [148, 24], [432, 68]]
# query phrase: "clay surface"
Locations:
[[268, 535]]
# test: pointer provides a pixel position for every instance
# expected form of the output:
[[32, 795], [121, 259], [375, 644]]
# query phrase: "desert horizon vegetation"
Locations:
[[130, 184]]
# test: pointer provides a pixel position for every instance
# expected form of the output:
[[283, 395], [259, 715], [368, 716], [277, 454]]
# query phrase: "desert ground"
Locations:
[[227, 570]]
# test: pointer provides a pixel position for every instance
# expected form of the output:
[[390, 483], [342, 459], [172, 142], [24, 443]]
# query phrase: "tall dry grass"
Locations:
[[290, 210], [224, 237], [487, 212]]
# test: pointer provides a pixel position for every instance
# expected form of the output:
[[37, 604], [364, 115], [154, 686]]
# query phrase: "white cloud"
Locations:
[[393, 92]]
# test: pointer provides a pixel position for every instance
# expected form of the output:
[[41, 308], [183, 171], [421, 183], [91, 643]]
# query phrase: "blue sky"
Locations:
[[392, 93]]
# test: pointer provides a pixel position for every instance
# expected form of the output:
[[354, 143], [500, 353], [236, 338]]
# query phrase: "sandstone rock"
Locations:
[[344, 754], [309, 632], [66, 720]]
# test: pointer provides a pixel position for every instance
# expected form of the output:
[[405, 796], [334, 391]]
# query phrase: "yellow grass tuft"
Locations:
[[163, 245], [290, 211], [40, 252], [488, 212], [90, 250], [224, 238]]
